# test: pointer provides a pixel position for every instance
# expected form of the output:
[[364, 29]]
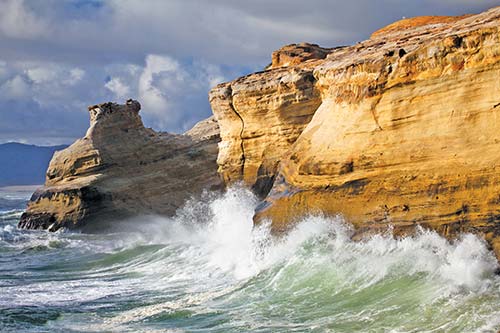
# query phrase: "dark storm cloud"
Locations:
[[58, 56]]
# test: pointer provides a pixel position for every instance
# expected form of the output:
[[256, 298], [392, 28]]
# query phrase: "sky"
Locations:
[[59, 56]]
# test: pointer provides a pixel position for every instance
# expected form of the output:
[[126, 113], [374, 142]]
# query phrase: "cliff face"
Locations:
[[401, 129], [120, 169], [262, 114]]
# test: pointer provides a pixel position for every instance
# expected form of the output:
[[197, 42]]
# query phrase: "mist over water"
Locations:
[[209, 270]]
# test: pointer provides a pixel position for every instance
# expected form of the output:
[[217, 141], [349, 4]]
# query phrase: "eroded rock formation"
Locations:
[[295, 54], [120, 169], [402, 129], [260, 116]]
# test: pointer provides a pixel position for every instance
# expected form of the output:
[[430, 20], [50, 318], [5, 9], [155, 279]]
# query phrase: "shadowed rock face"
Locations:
[[402, 129], [121, 169]]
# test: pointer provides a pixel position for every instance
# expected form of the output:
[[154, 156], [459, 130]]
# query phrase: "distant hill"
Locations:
[[22, 164]]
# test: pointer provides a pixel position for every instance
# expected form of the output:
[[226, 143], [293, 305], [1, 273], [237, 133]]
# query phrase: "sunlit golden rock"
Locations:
[[122, 169], [400, 130]]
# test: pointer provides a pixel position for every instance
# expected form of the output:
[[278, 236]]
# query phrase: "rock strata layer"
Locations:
[[402, 129], [121, 169], [260, 116]]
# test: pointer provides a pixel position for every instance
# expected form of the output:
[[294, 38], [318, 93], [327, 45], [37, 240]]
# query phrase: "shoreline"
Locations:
[[20, 188]]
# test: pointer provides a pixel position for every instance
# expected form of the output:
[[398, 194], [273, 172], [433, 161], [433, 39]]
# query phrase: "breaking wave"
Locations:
[[209, 270]]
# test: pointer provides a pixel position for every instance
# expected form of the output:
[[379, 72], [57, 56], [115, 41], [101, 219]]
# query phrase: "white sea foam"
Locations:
[[210, 256], [229, 242]]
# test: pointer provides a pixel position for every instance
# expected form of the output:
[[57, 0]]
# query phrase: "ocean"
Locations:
[[208, 270]]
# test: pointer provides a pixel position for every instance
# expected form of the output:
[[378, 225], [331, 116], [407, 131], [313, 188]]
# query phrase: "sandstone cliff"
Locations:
[[120, 169], [262, 114], [402, 129]]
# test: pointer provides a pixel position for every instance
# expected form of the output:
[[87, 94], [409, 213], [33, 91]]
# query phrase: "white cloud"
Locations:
[[47, 86], [118, 88], [17, 21], [41, 74], [174, 95], [49, 95], [3, 70], [153, 97], [209, 74], [75, 75], [15, 88], [51, 73]]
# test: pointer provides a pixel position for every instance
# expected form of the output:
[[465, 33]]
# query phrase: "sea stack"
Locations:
[[122, 169]]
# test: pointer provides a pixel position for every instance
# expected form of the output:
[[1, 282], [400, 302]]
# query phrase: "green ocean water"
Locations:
[[209, 270]]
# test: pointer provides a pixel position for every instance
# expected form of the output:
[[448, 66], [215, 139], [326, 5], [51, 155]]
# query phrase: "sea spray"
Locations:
[[208, 269]]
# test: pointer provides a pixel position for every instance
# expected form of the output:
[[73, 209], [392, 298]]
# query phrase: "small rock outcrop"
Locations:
[[294, 54], [401, 129], [121, 169]]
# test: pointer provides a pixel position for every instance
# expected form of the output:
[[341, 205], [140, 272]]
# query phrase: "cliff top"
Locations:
[[386, 45], [413, 22]]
